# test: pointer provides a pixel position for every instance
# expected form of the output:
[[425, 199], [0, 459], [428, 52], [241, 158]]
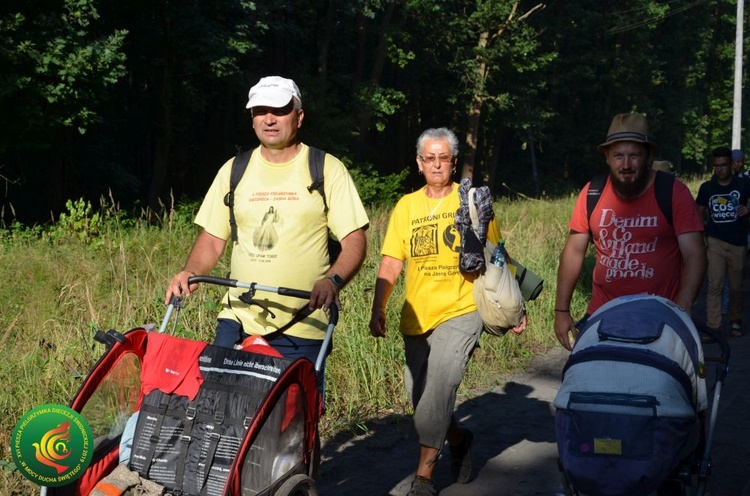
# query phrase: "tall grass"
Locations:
[[61, 283]]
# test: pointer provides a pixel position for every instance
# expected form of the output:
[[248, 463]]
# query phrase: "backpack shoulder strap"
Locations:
[[239, 165], [596, 186], [663, 188], [316, 163]]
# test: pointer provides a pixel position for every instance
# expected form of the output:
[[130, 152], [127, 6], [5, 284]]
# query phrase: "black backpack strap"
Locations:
[[316, 163], [153, 439], [663, 188], [213, 444], [239, 165], [214, 438], [185, 439], [596, 186]]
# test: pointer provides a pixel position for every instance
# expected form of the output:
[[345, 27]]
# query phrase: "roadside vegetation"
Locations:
[[98, 268]]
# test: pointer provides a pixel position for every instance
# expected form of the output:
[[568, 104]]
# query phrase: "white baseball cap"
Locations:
[[273, 91]]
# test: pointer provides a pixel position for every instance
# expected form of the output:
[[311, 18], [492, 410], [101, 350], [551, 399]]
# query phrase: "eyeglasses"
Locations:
[[443, 159], [723, 164]]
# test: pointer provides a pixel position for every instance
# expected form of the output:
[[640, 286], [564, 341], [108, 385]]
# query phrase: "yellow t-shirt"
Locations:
[[421, 233], [282, 234]]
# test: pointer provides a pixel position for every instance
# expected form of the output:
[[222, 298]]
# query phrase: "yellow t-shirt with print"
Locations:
[[421, 234], [282, 235]]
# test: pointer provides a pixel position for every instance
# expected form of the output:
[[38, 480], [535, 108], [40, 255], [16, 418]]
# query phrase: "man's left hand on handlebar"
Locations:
[[323, 294], [179, 286]]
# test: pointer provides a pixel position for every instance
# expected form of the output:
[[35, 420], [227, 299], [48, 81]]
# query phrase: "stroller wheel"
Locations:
[[298, 485]]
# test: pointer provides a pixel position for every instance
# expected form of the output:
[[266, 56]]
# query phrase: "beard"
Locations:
[[631, 189]]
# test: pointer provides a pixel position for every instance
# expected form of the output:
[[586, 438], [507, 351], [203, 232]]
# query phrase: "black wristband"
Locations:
[[337, 281]]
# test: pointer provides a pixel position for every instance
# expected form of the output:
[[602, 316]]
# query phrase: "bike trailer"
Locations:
[[208, 420], [187, 418], [627, 409]]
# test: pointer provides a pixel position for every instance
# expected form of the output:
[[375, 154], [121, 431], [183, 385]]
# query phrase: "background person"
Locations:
[[738, 168], [722, 202], [662, 165], [275, 188], [637, 250], [439, 321], [738, 164]]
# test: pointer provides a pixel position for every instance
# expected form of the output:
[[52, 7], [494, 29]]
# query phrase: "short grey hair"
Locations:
[[438, 134]]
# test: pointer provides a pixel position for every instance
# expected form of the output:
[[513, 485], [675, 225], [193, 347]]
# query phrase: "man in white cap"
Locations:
[[282, 229], [639, 249]]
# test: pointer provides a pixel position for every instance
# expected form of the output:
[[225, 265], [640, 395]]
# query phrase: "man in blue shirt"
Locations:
[[722, 202]]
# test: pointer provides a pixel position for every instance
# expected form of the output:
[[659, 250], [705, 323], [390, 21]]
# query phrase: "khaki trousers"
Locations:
[[724, 258], [435, 366]]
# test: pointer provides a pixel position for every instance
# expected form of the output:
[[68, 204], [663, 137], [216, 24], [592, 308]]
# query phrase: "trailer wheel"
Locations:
[[298, 485]]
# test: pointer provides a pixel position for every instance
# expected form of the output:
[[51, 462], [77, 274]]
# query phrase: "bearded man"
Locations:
[[641, 246]]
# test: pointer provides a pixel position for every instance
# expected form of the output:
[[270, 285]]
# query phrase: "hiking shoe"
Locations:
[[461, 458], [736, 330], [422, 486]]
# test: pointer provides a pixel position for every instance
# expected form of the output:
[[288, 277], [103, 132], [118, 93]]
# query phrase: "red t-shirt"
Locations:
[[636, 248], [171, 365]]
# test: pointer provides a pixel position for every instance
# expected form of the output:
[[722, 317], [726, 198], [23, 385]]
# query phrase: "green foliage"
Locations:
[[159, 87], [375, 188], [61, 61], [7, 466], [80, 221], [696, 146], [398, 56], [381, 102], [18, 233]]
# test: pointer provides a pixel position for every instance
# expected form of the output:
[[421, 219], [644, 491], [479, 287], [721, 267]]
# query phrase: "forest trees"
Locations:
[[56, 65], [670, 60], [504, 44], [145, 99]]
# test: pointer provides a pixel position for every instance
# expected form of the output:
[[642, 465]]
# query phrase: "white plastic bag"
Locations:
[[496, 293]]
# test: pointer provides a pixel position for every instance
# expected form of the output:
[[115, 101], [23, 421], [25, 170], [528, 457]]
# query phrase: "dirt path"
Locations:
[[731, 448], [514, 449], [515, 452]]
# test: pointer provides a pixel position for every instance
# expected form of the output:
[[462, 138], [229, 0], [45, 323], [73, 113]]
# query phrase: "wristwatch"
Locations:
[[337, 281]]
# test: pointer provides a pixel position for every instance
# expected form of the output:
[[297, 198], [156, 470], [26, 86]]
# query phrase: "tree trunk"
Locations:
[[377, 68], [358, 65], [163, 134], [329, 24], [480, 79], [475, 110]]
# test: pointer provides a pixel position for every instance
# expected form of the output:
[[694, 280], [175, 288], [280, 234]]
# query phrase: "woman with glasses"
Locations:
[[439, 321]]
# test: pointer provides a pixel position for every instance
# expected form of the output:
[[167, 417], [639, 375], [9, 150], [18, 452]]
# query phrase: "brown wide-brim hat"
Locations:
[[628, 127]]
